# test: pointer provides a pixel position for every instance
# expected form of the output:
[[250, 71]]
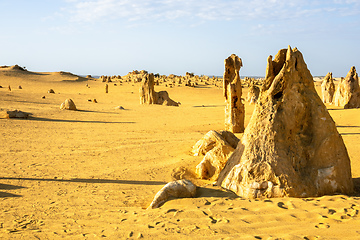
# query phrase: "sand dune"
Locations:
[[91, 173]]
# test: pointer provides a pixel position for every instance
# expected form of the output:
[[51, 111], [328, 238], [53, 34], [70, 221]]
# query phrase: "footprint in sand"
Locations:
[[213, 220], [282, 205], [352, 211], [311, 237], [322, 225], [331, 211]]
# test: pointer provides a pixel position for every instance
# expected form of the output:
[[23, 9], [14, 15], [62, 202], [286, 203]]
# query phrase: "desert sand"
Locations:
[[91, 173]]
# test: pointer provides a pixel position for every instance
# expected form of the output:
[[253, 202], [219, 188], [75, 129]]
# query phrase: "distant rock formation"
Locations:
[[234, 109], [347, 93], [15, 67], [68, 104], [253, 93], [328, 88], [291, 146], [217, 147], [149, 96], [179, 189]]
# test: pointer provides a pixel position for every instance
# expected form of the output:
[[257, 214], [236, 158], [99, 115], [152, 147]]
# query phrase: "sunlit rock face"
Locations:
[[328, 88], [347, 93], [234, 109], [291, 146]]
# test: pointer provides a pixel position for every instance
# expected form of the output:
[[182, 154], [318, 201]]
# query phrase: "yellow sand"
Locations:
[[90, 174]]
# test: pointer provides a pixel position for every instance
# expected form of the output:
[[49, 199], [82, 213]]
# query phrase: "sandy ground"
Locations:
[[90, 174]]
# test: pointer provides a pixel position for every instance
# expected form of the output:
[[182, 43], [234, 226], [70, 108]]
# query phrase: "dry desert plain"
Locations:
[[91, 173]]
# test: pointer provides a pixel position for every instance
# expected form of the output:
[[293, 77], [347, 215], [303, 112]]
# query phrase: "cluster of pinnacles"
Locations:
[[291, 146], [347, 93]]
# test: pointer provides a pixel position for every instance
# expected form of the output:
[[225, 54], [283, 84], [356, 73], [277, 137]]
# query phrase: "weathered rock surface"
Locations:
[[177, 189], [328, 88], [68, 104], [347, 93], [291, 146], [149, 96], [217, 147], [13, 114], [234, 109]]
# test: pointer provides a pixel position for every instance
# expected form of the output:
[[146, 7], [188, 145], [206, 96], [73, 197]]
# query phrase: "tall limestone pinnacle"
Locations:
[[347, 93], [291, 146], [234, 109]]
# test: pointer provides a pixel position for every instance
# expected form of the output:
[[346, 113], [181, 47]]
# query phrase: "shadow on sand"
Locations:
[[90, 111], [84, 180], [208, 191], [74, 121], [6, 195], [207, 106], [213, 191], [8, 187], [348, 126]]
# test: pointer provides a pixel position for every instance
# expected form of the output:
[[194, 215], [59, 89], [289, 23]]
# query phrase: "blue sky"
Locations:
[[113, 37]]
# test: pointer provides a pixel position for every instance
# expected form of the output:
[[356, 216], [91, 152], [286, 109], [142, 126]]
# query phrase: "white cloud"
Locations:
[[202, 10]]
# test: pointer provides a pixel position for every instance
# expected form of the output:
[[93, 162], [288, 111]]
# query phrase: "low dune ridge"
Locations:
[[16, 72], [92, 173]]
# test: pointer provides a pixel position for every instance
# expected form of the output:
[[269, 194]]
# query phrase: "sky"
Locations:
[[114, 37]]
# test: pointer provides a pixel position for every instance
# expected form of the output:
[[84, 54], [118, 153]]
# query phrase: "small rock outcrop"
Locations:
[[347, 93], [328, 88], [149, 96], [119, 108], [13, 114], [291, 146], [68, 104], [177, 189], [234, 109], [216, 148]]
